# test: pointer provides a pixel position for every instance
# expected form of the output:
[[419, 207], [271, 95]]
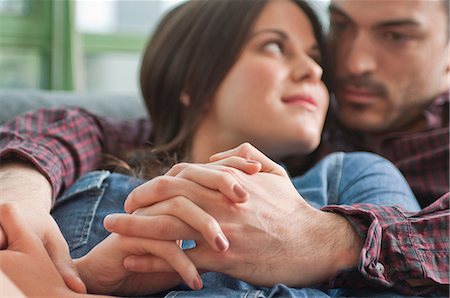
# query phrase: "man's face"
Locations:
[[390, 58]]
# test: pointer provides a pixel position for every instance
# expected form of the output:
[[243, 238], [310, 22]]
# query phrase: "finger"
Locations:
[[170, 252], [165, 187], [20, 238], [221, 180], [57, 249], [147, 264], [249, 152], [203, 257], [194, 216], [161, 227], [247, 166], [158, 189], [14, 225]]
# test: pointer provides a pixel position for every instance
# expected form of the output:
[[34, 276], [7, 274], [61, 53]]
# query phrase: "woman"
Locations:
[[217, 74]]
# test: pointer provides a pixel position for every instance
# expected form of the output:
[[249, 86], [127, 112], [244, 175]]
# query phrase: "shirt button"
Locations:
[[380, 268]]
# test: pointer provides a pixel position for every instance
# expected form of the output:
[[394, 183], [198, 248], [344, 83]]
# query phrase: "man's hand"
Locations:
[[275, 236], [30, 192]]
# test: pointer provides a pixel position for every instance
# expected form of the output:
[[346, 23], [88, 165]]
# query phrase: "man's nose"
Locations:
[[361, 57]]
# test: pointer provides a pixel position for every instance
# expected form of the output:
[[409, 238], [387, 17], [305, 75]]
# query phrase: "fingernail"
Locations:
[[197, 283], [239, 191], [129, 263], [221, 242], [109, 221]]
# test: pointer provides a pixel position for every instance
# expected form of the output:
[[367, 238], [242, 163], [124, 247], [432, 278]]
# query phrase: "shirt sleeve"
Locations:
[[402, 250], [64, 143]]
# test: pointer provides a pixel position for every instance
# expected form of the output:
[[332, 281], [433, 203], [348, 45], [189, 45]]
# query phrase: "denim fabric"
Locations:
[[358, 177], [338, 179], [80, 211]]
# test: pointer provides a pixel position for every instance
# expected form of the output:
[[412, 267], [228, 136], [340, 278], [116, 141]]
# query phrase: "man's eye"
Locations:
[[274, 47], [396, 37]]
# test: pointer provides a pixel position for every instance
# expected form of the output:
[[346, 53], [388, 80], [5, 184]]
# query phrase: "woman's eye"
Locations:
[[273, 47]]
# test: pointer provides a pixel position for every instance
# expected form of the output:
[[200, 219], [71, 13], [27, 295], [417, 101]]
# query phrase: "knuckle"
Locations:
[[246, 147], [175, 203], [160, 184], [163, 230], [227, 177], [180, 166], [211, 226]]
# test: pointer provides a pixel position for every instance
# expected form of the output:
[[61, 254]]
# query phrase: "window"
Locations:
[[83, 45]]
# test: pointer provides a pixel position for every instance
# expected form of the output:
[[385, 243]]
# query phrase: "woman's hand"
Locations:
[[103, 272]]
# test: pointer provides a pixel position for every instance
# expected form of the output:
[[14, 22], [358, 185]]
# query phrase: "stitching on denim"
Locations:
[[82, 239]]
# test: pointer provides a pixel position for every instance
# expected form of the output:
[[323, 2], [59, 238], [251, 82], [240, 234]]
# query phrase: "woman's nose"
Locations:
[[306, 68]]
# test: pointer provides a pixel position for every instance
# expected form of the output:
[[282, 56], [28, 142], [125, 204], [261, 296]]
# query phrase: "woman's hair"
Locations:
[[191, 51]]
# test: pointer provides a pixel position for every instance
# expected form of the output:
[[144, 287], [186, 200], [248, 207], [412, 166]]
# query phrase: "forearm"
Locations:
[[21, 182], [64, 143]]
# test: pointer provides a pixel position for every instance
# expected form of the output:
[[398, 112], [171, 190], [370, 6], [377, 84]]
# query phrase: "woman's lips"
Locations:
[[303, 100]]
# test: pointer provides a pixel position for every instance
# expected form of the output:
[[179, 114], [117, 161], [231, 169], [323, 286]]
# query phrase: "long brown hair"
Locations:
[[191, 51]]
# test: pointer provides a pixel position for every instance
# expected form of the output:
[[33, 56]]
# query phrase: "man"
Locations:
[[390, 66], [391, 83]]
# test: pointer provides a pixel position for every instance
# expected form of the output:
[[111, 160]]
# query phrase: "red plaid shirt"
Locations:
[[65, 143]]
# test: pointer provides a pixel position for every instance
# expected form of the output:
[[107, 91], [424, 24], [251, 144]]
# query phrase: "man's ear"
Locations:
[[185, 99]]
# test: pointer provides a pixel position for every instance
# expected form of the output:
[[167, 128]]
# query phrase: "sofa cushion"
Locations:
[[14, 102]]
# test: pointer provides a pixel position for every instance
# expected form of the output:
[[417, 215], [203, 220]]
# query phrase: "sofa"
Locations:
[[14, 102]]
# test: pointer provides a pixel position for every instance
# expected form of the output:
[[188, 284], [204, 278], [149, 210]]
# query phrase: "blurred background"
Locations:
[[78, 45]]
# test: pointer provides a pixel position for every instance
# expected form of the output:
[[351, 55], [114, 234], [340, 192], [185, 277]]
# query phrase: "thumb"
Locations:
[[58, 251], [13, 229]]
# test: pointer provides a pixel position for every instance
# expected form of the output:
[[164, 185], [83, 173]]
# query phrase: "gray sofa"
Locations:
[[14, 102]]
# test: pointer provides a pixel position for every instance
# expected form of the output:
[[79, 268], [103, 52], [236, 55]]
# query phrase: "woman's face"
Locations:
[[273, 96]]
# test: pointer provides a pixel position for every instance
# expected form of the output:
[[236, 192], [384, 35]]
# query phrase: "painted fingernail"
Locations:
[[239, 191], [221, 242], [197, 283]]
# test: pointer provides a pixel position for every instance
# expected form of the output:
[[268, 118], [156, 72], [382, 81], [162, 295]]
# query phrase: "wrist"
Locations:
[[21, 182], [346, 243], [329, 246]]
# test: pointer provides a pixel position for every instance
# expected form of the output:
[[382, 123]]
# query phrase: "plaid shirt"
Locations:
[[422, 157], [65, 143]]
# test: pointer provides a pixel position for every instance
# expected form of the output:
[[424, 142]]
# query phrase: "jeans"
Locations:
[[338, 179]]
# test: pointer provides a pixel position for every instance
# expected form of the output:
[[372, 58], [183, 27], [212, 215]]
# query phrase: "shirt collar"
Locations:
[[437, 111]]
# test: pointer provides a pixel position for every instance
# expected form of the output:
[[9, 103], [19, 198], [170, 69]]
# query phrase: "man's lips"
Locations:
[[303, 100], [356, 95]]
